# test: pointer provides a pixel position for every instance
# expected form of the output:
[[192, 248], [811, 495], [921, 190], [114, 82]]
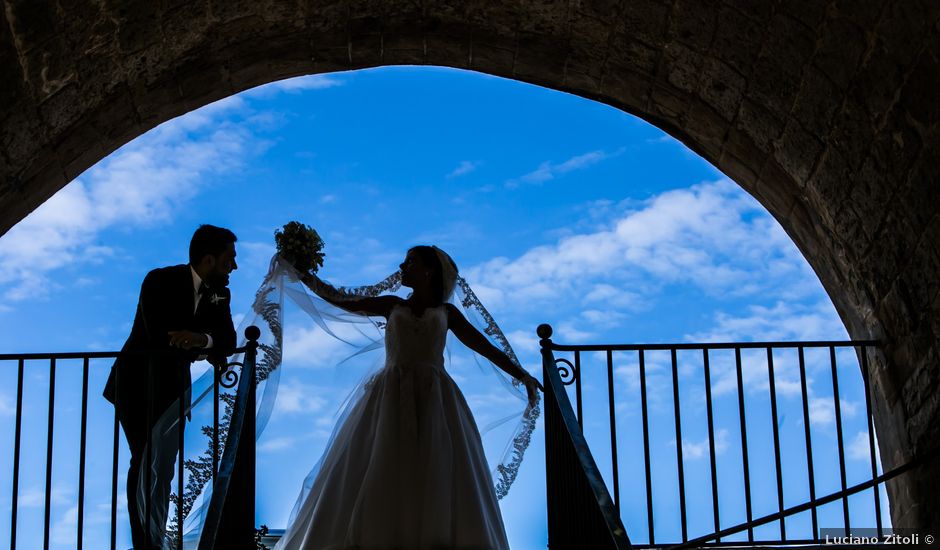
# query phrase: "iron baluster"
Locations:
[[744, 460], [51, 424], [81, 460], [776, 430], [838, 409], [809, 441], [679, 464]]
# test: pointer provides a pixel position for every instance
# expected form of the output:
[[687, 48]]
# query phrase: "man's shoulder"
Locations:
[[168, 273]]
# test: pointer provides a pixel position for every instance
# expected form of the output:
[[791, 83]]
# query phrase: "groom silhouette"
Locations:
[[185, 307]]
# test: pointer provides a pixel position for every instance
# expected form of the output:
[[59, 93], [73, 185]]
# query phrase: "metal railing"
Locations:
[[581, 513], [89, 364], [744, 390]]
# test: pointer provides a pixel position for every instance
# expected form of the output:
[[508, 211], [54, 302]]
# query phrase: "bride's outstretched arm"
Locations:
[[377, 305], [473, 339]]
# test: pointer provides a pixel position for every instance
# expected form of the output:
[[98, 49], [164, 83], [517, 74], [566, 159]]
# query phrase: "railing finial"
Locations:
[[252, 333], [544, 331]]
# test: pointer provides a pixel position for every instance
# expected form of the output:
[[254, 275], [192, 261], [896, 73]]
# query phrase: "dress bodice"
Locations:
[[416, 339]]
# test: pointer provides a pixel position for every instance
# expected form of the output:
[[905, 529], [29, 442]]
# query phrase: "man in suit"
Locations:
[[185, 307]]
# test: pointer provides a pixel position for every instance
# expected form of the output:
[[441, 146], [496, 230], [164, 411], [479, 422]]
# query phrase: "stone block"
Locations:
[[136, 28], [707, 128], [918, 97], [80, 148], [49, 68], [590, 40], [445, 46], [692, 23], [760, 125], [32, 22], [776, 190], [852, 133], [494, 58], [919, 193], [153, 102], [540, 59], [740, 159], [871, 198], [774, 85], [494, 18], [817, 102], [189, 24], [797, 152], [628, 90], [738, 39], [365, 50], [645, 20], [681, 67], [64, 108], [721, 87], [839, 51], [547, 18], [326, 16], [23, 135], [810, 13], [225, 11], [632, 55], [667, 102], [875, 84]]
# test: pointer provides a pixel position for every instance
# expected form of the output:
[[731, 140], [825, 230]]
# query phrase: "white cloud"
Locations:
[[6, 405], [296, 85], [276, 444], [34, 497], [294, 396], [711, 236], [548, 171], [312, 347], [858, 448], [693, 450], [141, 185], [783, 321], [65, 529], [464, 168], [822, 410]]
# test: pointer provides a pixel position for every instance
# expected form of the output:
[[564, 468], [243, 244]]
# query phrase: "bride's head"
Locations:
[[431, 266]]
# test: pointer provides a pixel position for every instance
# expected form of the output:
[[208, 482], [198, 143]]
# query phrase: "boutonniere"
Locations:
[[215, 299]]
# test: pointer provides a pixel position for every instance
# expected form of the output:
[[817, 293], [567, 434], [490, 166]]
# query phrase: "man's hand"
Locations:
[[185, 339]]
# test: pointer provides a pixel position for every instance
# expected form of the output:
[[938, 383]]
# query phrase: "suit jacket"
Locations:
[[166, 303]]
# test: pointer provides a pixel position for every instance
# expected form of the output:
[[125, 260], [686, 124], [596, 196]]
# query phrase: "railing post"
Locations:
[[230, 523], [581, 513]]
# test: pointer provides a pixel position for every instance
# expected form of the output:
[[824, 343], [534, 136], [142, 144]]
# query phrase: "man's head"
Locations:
[[212, 254]]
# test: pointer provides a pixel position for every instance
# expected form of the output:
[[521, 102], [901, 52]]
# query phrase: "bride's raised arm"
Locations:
[[372, 305], [473, 339]]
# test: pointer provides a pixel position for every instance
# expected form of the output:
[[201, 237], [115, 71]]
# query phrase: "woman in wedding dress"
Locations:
[[406, 467]]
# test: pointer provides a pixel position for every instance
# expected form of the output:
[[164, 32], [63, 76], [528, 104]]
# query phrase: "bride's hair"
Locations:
[[443, 277]]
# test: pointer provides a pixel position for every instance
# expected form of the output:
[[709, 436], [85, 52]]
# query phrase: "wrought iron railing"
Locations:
[[99, 363], [619, 366], [581, 513]]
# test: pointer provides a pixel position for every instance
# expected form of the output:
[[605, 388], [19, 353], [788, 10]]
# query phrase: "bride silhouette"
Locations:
[[406, 466]]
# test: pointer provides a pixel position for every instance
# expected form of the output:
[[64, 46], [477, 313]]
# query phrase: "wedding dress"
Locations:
[[406, 467]]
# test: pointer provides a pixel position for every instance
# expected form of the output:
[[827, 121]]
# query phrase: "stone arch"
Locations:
[[824, 111]]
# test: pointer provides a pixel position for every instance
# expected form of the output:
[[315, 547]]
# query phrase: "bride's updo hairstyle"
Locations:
[[443, 270]]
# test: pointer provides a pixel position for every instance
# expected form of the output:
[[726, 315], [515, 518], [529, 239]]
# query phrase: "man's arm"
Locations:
[[153, 309]]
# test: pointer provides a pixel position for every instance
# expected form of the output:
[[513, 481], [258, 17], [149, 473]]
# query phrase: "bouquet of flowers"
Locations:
[[300, 245]]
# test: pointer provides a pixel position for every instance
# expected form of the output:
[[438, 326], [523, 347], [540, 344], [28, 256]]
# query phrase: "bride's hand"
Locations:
[[532, 387]]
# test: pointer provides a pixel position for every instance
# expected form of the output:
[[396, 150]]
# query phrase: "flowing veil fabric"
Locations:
[[506, 435]]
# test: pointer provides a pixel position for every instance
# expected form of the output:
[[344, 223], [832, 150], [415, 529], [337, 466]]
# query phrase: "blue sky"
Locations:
[[557, 209]]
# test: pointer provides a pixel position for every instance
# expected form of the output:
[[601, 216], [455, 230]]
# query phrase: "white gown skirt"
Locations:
[[405, 470]]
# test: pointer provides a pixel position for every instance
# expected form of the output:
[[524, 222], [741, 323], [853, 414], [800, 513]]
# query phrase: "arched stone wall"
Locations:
[[825, 110]]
